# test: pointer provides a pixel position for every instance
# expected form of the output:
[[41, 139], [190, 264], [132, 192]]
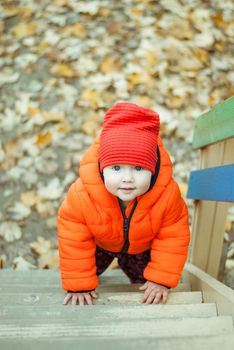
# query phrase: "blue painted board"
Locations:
[[213, 184]]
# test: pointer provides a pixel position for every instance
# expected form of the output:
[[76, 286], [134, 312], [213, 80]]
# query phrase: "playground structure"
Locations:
[[199, 312]]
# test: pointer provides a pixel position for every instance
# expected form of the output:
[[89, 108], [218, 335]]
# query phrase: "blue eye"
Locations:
[[138, 168], [116, 167]]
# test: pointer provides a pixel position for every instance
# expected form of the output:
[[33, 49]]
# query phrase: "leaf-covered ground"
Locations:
[[63, 63]]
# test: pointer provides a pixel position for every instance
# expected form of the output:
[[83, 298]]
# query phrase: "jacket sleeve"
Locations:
[[169, 248], [76, 246]]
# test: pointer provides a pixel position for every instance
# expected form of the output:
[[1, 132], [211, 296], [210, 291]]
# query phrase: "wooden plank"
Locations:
[[52, 277], [214, 184], [110, 288], [216, 244], [214, 342], [210, 217], [213, 291], [133, 298], [89, 328], [112, 312], [215, 125]]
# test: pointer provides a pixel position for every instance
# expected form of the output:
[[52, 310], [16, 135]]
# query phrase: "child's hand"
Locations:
[[153, 293], [80, 297]]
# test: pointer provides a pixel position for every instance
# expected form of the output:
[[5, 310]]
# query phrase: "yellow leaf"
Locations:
[[109, 97], [23, 30], [145, 101], [183, 188], [175, 102], [201, 54], [151, 59], [228, 226], [32, 111], [214, 98], [41, 246], [92, 96], [63, 70], [49, 260], [44, 139], [26, 12], [53, 116], [219, 21], [136, 78], [90, 128], [10, 11], [221, 45], [139, 79], [104, 12], [109, 64], [64, 127], [41, 48], [137, 12], [30, 198], [77, 29], [61, 3]]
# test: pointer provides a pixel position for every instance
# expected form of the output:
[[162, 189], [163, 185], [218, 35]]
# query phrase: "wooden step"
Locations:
[[111, 288], [123, 328], [52, 277], [104, 298], [214, 342], [111, 312]]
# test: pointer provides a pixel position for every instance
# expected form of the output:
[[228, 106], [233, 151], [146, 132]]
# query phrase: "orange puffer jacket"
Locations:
[[91, 216]]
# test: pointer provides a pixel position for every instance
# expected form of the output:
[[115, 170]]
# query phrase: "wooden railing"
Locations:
[[212, 187]]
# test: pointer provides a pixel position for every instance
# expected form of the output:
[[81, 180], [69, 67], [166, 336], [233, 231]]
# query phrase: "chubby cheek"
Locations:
[[111, 184], [143, 183]]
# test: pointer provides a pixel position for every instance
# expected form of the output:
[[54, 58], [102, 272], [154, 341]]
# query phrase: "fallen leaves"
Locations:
[[23, 30], [64, 63], [10, 231], [48, 257], [64, 70]]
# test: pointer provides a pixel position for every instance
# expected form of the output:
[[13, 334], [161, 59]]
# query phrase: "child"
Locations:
[[126, 205]]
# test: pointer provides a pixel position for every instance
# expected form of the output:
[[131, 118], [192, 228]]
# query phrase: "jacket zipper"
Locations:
[[126, 225]]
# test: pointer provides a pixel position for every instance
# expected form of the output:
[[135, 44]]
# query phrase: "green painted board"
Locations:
[[215, 125]]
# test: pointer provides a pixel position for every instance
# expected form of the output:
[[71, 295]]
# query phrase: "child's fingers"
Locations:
[[94, 294], [74, 299], [150, 298], [146, 295], [66, 299], [88, 299], [81, 299], [157, 298], [143, 287], [165, 295]]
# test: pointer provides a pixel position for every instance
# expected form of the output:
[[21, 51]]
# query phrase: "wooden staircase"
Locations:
[[32, 316]]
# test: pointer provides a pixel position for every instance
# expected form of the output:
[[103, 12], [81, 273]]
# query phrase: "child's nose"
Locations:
[[128, 176]]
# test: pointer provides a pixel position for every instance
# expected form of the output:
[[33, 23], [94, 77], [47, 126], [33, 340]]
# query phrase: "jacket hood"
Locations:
[[93, 183]]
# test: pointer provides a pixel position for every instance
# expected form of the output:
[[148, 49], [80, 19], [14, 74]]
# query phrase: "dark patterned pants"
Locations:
[[133, 265]]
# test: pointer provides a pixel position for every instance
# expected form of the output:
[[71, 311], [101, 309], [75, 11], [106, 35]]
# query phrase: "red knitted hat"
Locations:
[[129, 136]]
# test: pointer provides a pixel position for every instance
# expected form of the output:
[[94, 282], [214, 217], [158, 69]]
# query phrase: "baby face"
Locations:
[[126, 181]]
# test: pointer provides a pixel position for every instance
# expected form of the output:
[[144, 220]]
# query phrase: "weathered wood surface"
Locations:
[[215, 125], [111, 288], [119, 328], [52, 277], [132, 298], [213, 342], [210, 217], [213, 291], [112, 312]]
